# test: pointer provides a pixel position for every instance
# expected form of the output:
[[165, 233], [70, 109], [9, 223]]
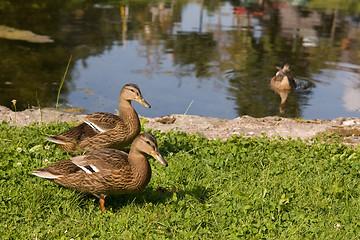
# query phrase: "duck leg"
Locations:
[[102, 204]]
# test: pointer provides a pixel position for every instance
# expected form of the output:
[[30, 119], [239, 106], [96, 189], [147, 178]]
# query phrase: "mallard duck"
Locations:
[[107, 171], [283, 80], [105, 130]]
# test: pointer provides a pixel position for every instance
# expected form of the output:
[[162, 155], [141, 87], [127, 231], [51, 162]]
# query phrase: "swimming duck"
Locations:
[[107, 171], [105, 130], [283, 79]]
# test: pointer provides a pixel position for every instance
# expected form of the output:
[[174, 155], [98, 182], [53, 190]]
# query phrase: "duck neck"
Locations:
[[141, 168], [129, 115]]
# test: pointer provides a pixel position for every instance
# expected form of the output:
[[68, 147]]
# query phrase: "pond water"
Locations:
[[208, 58]]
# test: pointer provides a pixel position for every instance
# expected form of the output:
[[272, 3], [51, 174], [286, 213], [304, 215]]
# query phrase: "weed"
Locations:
[[14, 105], [192, 101], [339, 134], [300, 120], [142, 124], [62, 83], [38, 103]]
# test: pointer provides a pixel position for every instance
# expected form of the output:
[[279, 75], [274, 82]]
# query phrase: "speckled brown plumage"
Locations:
[[283, 79], [107, 171], [105, 130]]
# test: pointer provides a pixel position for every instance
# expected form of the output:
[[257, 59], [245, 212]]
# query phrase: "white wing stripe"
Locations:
[[94, 126]]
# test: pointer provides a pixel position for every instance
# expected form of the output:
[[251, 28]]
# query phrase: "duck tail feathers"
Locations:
[[55, 140], [45, 174]]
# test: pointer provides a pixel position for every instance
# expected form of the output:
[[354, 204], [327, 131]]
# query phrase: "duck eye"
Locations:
[[148, 142]]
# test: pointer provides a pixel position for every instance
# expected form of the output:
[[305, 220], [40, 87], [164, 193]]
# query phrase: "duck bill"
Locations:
[[159, 158], [143, 102]]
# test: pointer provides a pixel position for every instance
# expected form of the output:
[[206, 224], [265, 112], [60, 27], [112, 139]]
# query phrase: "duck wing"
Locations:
[[102, 160], [58, 169], [74, 134], [101, 121]]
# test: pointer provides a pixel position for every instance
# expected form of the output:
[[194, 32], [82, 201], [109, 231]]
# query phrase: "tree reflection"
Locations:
[[31, 73], [193, 53]]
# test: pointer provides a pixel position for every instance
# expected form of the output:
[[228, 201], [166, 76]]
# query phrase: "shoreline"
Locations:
[[209, 127]]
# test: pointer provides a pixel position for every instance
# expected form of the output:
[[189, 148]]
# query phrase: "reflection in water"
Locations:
[[283, 93], [193, 53], [352, 99], [351, 79], [17, 34], [222, 52]]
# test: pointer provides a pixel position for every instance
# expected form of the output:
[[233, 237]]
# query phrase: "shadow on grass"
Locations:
[[155, 195], [164, 195]]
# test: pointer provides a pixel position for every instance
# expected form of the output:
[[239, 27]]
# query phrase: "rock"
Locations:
[[34, 115]]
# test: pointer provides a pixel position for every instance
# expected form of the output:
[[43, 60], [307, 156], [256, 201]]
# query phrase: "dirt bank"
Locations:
[[214, 128]]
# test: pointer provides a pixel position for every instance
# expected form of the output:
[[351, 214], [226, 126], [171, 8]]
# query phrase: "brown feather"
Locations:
[[107, 171], [118, 130], [283, 79]]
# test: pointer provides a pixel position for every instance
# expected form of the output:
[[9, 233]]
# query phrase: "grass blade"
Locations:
[[62, 83]]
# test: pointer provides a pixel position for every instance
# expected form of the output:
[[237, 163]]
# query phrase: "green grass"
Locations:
[[242, 188]]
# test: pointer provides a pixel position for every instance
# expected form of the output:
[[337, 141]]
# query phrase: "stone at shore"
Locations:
[[34, 115], [211, 128]]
